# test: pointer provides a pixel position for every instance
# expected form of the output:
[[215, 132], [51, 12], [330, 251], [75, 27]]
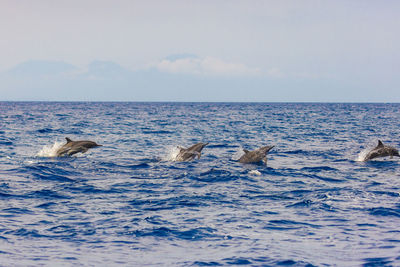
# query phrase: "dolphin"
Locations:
[[382, 150], [187, 154], [256, 155], [73, 147]]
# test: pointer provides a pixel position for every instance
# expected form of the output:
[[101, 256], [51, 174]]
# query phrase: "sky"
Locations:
[[263, 51]]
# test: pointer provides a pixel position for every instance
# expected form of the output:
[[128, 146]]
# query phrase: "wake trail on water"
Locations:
[[49, 151]]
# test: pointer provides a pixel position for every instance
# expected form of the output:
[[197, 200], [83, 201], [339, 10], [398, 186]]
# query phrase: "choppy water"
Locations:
[[127, 203]]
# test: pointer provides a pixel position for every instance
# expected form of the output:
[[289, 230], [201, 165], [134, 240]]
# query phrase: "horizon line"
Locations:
[[173, 101]]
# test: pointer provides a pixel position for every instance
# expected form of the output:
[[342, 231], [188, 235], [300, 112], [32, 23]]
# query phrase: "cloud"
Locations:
[[204, 66]]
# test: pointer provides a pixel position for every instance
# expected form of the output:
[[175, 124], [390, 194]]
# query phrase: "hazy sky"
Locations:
[[349, 48]]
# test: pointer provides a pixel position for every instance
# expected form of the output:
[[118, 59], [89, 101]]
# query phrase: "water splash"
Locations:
[[361, 156], [50, 150], [172, 153], [238, 153]]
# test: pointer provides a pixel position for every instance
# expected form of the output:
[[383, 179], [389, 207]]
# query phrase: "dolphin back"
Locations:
[[255, 156], [73, 147], [187, 154], [380, 151]]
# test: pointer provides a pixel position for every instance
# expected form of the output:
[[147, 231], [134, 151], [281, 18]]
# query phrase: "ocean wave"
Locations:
[[45, 130], [378, 261], [6, 142], [256, 261], [168, 203], [283, 225], [46, 194], [157, 132], [214, 175], [195, 234], [382, 211]]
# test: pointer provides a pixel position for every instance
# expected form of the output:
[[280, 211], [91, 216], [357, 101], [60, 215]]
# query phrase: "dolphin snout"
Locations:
[[269, 148], [96, 145]]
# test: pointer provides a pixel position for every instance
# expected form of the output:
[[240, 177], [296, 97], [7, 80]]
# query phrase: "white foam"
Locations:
[[50, 150], [361, 156], [172, 154], [254, 172], [238, 153]]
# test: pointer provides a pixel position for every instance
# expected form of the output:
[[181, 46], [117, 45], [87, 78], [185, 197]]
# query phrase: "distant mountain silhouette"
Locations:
[[41, 67], [109, 81]]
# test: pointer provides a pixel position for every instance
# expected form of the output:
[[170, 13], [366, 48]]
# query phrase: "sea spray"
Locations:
[[238, 153], [50, 150], [361, 156], [172, 153]]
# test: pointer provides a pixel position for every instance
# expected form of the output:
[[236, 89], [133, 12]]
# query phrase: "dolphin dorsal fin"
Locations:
[[68, 140], [380, 144], [245, 151]]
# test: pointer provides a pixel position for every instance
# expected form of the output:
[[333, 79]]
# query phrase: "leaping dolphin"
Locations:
[[382, 150], [73, 147], [256, 155], [187, 154]]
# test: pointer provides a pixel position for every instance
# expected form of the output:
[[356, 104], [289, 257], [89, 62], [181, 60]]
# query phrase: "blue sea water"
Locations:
[[128, 203]]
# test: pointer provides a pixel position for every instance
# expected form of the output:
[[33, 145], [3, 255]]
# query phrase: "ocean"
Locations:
[[128, 203]]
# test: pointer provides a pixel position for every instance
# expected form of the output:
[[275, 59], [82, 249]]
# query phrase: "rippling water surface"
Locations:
[[127, 203]]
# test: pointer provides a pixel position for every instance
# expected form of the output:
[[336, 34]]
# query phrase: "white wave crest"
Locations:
[[50, 150]]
